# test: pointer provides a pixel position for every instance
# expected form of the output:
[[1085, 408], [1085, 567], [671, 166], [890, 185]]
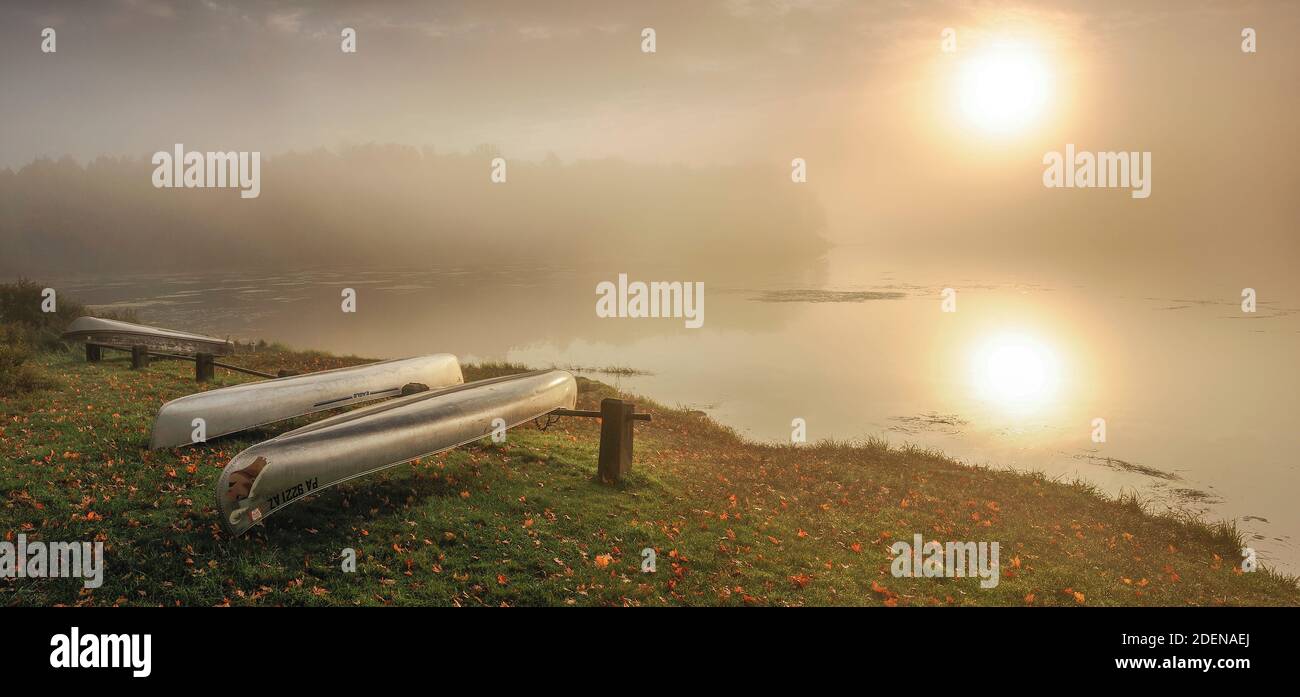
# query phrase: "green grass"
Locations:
[[525, 522]]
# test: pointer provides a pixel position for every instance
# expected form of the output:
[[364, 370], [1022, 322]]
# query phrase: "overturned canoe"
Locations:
[[273, 474], [239, 407], [111, 332]]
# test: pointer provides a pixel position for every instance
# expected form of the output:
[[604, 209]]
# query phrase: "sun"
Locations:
[[1003, 88], [1015, 370]]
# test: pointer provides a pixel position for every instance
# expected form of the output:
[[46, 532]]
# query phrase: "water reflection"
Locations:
[[1198, 409], [1015, 371]]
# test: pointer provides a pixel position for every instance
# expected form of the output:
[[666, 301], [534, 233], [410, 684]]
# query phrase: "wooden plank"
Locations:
[[636, 416], [247, 371]]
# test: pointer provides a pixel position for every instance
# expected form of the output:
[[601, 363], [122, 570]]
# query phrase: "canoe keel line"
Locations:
[[251, 404], [266, 477]]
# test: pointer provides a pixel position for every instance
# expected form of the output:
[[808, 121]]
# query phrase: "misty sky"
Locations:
[[859, 89]]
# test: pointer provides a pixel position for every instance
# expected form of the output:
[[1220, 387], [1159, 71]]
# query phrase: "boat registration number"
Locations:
[[294, 492]]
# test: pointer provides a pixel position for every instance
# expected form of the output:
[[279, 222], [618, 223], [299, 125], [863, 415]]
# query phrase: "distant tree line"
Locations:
[[390, 205]]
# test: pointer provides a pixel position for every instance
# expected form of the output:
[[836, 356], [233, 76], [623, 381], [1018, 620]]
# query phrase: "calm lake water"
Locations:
[[1198, 398]]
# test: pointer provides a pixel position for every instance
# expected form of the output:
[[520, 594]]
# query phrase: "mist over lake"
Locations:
[[780, 303], [1198, 407]]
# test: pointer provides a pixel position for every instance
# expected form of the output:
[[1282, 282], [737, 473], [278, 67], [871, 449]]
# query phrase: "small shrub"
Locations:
[[20, 307], [16, 374]]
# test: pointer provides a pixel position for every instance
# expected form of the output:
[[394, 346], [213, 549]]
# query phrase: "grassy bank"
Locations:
[[523, 523]]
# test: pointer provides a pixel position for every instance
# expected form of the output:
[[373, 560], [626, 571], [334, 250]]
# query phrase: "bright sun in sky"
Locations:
[[1003, 88], [1015, 370]]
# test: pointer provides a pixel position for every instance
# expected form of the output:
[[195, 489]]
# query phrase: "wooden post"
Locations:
[[204, 370], [93, 353], [615, 440], [139, 357]]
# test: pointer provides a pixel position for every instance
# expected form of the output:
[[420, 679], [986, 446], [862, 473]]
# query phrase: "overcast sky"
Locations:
[[859, 89]]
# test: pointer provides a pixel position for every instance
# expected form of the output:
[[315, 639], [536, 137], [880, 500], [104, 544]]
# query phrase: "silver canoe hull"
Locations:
[[269, 476], [111, 332], [239, 407]]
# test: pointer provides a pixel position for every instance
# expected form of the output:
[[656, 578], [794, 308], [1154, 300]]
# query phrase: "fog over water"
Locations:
[[1199, 399], [824, 298]]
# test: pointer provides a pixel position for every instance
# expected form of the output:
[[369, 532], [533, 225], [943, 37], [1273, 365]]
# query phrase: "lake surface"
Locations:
[[1199, 398]]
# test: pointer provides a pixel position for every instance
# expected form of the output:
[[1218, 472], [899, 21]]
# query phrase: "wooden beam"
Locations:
[[205, 367], [139, 357], [636, 416], [615, 440]]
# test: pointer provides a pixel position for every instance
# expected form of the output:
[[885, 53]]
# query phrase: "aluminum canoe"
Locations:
[[267, 477], [239, 407], [111, 332]]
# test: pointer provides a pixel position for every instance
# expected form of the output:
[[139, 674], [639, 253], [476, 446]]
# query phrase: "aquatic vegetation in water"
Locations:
[[929, 422], [825, 296]]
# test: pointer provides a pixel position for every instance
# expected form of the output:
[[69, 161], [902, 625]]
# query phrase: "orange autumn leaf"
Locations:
[[1078, 597], [502, 580], [856, 547], [1029, 598], [801, 580], [603, 560]]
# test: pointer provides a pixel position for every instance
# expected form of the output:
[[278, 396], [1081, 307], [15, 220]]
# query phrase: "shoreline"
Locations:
[[730, 521]]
